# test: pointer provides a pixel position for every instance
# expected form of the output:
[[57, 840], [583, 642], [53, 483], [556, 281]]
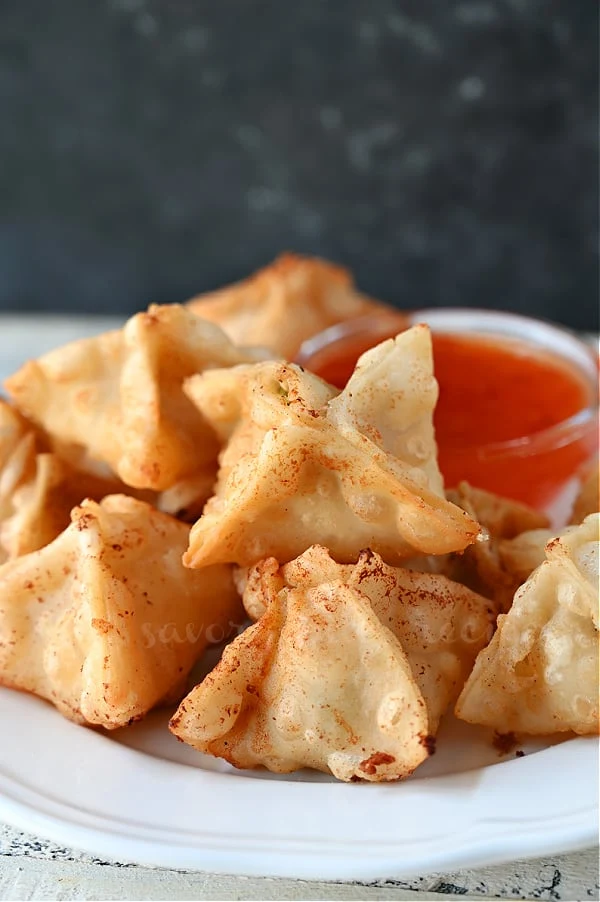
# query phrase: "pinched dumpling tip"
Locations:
[[285, 303], [488, 566], [347, 670], [304, 464]]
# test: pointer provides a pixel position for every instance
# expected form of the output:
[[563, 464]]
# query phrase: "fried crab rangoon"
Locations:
[[521, 554], [514, 557], [319, 497], [119, 396], [285, 303], [305, 465], [37, 488], [483, 566], [540, 673], [105, 622], [347, 670]]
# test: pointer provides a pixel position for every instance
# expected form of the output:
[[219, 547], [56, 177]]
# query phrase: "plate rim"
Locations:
[[564, 822]]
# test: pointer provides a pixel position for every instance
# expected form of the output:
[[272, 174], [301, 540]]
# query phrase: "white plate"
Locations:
[[139, 795]]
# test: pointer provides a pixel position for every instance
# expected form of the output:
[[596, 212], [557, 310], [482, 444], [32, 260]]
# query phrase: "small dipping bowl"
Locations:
[[537, 467]]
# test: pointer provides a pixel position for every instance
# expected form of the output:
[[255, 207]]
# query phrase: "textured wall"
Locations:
[[445, 150]]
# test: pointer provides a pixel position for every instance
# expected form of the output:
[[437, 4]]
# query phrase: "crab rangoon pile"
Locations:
[[161, 485]]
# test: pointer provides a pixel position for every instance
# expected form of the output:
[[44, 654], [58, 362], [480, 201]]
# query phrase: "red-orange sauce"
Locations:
[[493, 391]]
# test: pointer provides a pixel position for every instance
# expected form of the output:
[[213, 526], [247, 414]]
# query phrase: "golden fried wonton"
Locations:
[[503, 518], [105, 622], [119, 396], [37, 488], [348, 669], [302, 465], [482, 566], [285, 303], [520, 556], [184, 499], [540, 673]]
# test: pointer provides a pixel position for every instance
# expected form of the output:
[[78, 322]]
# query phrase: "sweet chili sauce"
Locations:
[[495, 391]]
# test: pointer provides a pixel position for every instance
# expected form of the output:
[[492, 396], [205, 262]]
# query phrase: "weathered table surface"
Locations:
[[33, 868]]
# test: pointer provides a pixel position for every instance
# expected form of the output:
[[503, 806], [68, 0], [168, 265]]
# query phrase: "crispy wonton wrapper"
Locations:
[[539, 674], [105, 622], [285, 303], [119, 396], [497, 564], [348, 670], [37, 488], [184, 499], [520, 556], [482, 565], [302, 465]]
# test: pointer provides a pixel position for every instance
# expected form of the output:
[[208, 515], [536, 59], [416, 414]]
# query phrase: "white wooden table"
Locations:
[[33, 868]]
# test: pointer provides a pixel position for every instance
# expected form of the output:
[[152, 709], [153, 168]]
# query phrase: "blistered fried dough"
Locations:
[[184, 499], [482, 566], [348, 669], [539, 674], [37, 488], [105, 621], [441, 624], [285, 303], [187, 497], [520, 556], [40, 506], [304, 466], [587, 502], [318, 682], [119, 396], [503, 518]]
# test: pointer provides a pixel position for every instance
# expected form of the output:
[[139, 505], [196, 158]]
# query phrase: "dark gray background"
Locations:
[[446, 151]]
